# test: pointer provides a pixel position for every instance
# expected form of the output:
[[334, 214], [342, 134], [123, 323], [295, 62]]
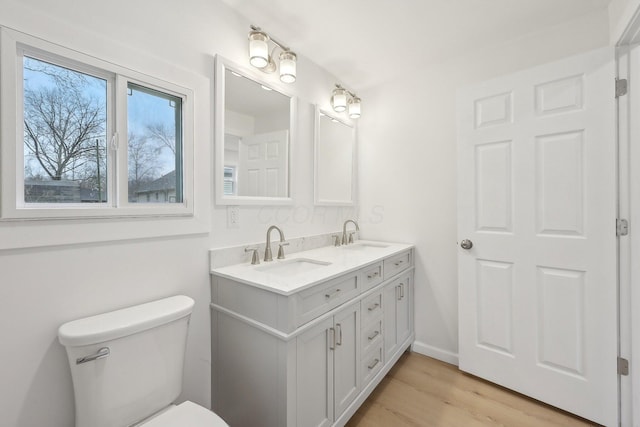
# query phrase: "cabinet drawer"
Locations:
[[319, 299], [371, 276], [371, 364], [396, 264], [371, 308], [371, 337]]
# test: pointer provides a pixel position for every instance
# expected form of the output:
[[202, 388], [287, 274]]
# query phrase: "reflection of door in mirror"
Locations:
[[255, 152], [262, 165]]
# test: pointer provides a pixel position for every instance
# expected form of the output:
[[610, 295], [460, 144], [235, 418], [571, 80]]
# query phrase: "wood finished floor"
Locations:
[[421, 391]]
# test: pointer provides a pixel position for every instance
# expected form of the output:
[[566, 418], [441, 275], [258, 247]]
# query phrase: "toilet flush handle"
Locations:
[[101, 354]]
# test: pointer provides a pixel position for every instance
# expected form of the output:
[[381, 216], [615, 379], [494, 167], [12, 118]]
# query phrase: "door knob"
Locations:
[[466, 244]]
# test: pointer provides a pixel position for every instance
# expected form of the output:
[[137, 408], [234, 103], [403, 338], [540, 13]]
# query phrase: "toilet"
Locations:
[[127, 367]]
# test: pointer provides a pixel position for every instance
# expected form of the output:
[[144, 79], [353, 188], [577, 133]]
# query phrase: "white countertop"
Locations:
[[341, 260]]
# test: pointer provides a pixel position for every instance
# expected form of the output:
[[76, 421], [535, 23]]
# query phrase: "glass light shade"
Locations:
[[288, 66], [354, 107], [258, 49], [339, 100]]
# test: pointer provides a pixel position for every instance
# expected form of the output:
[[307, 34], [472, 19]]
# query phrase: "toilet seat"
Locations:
[[186, 414]]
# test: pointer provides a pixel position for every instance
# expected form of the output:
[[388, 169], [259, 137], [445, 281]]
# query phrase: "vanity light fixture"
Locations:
[[261, 58], [343, 100]]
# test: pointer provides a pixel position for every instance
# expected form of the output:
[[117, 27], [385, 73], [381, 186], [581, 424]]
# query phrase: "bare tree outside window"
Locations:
[[64, 135], [143, 162], [65, 138], [155, 146], [163, 135]]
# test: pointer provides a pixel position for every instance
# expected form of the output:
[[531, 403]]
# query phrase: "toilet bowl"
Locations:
[[186, 414], [127, 367]]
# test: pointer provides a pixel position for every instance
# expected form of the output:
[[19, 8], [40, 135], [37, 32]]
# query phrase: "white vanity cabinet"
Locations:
[[307, 354], [398, 322], [328, 358]]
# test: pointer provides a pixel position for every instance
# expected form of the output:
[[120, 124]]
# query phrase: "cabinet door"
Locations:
[[346, 380], [314, 380], [389, 307], [403, 312]]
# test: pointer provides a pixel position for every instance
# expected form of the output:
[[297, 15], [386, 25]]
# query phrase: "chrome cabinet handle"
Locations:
[[373, 365], [374, 306], [398, 293], [332, 340], [339, 329], [401, 290], [332, 294], [101, 354], [466, 244], [398, 263], [372, 336], [371, 276]]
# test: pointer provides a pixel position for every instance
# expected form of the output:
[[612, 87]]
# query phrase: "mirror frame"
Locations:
[[316, 146], [221, 66]]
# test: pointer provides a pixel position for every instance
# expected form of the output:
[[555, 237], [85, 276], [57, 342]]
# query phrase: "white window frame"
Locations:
[[232, 179], [13, 45]]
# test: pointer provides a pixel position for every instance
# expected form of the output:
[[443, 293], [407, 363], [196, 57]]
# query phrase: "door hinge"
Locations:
[[622, 227], [621, 87], [623, 366]]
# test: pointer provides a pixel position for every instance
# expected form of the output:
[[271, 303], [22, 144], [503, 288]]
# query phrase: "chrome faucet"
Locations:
[[345, 240], [267, 250]]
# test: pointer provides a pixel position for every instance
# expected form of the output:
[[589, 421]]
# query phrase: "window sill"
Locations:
[[24, 234]]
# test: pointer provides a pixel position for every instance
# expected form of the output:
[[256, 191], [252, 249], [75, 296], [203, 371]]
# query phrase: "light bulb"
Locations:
[[339, 99], [258, 49], [288, 66], [354, 107]]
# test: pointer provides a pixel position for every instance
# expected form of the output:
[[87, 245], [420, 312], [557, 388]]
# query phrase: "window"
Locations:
[[92, 139], [154, 144], [65, 133], [229, 181]]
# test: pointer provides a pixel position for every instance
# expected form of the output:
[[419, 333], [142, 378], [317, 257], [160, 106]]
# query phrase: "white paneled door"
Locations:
[[263, 163], [536, 233]]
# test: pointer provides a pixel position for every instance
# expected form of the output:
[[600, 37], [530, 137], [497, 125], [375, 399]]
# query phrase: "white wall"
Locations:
[[42, 288], [620, 14], [408, 159]]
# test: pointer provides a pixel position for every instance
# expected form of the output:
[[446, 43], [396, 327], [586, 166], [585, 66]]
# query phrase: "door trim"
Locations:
[[628, 338], [628, 136]]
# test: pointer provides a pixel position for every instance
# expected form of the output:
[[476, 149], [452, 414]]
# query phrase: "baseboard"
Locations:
[[436, 353]]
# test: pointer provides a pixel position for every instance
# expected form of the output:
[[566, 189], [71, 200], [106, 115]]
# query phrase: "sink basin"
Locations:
[[358, 246], [292, 267]]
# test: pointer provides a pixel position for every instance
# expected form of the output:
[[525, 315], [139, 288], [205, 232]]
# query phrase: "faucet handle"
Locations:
[[280, 250], [255, 259], [336, 240], [351, 236]]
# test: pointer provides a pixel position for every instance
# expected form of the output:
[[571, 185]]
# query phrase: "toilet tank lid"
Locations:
[[120, 323]]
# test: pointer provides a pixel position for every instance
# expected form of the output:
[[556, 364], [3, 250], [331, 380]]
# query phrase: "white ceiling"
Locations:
[[362, 42]]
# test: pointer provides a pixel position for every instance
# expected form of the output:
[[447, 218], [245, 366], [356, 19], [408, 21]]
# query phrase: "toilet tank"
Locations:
[[127, 364]]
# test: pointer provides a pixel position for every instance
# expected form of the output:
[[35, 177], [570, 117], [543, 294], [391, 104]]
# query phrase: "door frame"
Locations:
[[628, 135]]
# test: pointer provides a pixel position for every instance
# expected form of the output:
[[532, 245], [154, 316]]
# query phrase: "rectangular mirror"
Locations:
[[253, 138], [335, 149]]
